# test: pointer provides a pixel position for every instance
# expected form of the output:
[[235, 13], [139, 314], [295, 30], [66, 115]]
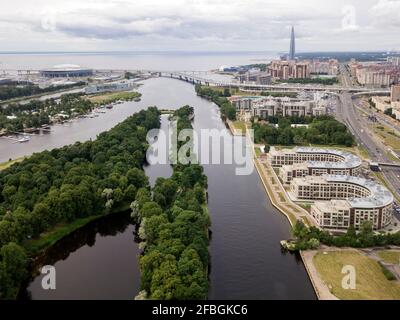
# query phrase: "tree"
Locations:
[[13, 271], [366, 228], [150, 209], [300, 230]]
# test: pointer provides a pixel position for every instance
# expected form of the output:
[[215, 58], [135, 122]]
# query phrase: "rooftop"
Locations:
[[349, 160], [65, 67], [379, 196]]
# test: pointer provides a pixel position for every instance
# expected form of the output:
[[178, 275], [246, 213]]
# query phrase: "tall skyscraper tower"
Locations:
[[292, 51]]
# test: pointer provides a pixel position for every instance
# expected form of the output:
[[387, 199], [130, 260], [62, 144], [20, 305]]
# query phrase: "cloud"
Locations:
[[386, 13], [241, 24], [195, 19]]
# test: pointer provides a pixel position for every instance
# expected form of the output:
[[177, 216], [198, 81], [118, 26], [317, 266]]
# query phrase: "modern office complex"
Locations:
[[304, 161], [279, 106], [344, 201], [66, 71]]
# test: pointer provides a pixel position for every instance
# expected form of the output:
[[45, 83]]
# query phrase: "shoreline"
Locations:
[[314, 282]]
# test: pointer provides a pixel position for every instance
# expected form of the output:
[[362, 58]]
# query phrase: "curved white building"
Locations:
[[305, 161], [344, 201]]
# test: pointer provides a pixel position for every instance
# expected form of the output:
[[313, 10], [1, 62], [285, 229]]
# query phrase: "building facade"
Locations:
[[278, 106], [395, 93], [305, 161], [285, 70], [344, 201]]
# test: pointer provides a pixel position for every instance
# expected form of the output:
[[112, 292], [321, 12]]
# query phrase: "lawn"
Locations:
[[389, 137], [113, 97], [281, 197], [371, 283], [8, 164], [49, 238], [240, 126], [390, 256]]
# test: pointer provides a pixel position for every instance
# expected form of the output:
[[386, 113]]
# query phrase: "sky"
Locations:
[[199, 25]]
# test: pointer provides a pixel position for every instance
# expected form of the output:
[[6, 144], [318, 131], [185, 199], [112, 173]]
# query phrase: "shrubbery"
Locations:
[[219, 98], [323, 130], [307, 237]]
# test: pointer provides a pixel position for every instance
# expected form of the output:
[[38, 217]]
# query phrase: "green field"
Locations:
[[390, 138], [48, 239], [113, 97], [240, 126], [371, 283], [390, 256], [7, 164]]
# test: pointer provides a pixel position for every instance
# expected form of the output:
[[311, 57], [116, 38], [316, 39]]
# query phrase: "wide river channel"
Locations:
[[100, 261]]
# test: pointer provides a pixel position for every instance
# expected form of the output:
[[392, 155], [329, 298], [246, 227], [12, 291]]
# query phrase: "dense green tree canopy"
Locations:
[[174, 228], [76, 181]]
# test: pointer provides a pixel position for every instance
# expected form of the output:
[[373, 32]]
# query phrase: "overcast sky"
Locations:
[[192, 25]]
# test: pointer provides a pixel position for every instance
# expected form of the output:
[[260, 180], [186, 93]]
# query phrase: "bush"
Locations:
[[388, 274]]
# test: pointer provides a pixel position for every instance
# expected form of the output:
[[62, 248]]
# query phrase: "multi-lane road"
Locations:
[[347, 113]]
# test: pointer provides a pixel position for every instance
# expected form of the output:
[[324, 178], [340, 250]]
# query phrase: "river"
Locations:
[[100, 262]]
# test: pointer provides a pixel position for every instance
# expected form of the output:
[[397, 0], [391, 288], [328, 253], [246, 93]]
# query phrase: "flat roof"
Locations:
[[379, 196], [350, 160]]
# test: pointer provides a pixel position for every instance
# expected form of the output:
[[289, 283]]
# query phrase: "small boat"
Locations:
[[109, 106], [24, 139]]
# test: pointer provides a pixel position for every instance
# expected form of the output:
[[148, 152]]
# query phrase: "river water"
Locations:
[[100, 261]]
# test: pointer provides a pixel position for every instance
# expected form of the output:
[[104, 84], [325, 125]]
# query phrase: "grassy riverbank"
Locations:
[[50, 238], [371, 283], [112, 97], [8, 164]]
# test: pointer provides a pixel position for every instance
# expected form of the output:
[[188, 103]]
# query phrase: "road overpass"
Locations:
[[284, 87]]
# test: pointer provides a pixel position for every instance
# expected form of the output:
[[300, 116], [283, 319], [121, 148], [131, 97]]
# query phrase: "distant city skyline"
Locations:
[[199, 25]]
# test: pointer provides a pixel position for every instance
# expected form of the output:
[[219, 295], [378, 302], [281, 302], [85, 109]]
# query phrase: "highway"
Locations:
[[347, 114], [190, 77]]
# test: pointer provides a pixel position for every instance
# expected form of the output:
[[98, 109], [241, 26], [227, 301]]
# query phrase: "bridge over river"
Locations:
[[203, 78]]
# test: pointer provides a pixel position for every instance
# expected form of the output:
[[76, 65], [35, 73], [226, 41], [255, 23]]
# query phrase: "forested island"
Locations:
[[54, 190], [174, 224]]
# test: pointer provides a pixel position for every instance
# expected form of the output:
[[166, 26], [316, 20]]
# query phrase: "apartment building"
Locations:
[[305, 161], [344, 201], [291, 69]]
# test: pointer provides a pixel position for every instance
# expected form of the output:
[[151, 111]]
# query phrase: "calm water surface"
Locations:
[[177, 61], [246, 259]]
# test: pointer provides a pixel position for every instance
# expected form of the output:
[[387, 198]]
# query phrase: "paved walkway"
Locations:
[[278, 195], [321, 289]]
